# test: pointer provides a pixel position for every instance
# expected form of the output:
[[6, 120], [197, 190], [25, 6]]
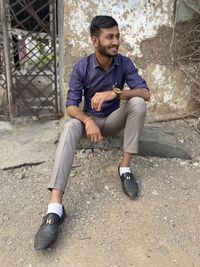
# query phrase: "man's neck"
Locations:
[[104, 61]]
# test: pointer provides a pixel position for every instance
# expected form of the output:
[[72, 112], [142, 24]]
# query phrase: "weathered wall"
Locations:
[[146, 30]]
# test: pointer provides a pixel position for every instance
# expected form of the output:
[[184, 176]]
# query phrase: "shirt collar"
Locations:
[[96, 64]]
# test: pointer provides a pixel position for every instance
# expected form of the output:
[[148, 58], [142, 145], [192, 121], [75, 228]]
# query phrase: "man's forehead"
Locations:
[[112, 30]]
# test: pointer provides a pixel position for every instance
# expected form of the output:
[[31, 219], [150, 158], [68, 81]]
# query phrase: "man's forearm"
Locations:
[[140, 92], [76, 113]]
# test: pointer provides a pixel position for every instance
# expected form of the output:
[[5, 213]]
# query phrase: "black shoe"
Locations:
[[129, 184], [48, 231]]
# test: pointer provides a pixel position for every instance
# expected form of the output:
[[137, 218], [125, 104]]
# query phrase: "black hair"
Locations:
[[101, 22]]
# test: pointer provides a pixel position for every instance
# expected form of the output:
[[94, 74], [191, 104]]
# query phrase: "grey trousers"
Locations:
[[130, 117]]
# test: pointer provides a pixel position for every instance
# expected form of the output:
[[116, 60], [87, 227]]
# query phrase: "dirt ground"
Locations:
[[103, 227]]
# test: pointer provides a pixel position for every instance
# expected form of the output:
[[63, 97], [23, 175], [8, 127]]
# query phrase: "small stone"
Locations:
[[97, 150], [106, 187], [112, 193], [195, 164], [183, 163], [155, 193], [23, 176], [72, 174], [34, 118], [197, 158]]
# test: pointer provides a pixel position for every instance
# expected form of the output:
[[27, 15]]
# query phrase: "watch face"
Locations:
[[117, 90]]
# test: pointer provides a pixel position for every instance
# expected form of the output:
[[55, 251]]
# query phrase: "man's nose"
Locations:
[[115, 41]]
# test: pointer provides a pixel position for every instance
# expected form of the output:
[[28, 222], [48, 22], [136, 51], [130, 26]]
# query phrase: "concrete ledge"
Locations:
[[154, 142]]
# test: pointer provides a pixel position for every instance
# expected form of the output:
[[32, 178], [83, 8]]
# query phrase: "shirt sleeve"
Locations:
[[132, 78], [75, 91]]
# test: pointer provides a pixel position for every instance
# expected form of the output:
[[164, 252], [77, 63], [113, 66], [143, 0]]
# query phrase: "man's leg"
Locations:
[[126, 158], [56, 196], [131, 117], [70, 136]]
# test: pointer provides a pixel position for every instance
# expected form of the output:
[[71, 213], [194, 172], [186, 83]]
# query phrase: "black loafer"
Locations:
[[129, 185], [48, 231]]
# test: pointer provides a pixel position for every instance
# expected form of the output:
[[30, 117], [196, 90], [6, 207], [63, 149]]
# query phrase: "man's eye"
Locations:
[[109, 37]]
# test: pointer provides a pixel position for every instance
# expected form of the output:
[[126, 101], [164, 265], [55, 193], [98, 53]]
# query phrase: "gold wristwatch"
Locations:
[[117, 91]]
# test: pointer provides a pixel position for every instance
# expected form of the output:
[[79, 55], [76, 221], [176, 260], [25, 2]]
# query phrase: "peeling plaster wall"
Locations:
[[138, 21], [170, 89]]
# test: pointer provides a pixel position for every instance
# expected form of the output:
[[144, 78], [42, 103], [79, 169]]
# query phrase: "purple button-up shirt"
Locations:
[[88, 77]]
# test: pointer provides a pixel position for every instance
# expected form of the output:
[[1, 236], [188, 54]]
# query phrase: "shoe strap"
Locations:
[[51, 218], [127, 176]]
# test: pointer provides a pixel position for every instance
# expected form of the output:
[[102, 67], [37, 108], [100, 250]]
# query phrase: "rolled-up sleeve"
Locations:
[[75, 91], [132, 78]]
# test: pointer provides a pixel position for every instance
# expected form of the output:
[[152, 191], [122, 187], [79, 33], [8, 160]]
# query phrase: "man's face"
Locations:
[[108, 41]]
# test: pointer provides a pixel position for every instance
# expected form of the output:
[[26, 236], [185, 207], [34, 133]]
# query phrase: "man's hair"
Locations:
[[101, 22]]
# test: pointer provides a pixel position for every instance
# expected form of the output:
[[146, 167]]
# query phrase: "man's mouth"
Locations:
[[114, 47]]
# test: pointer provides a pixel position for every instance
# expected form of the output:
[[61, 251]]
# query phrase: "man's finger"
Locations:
[[95, 102], [95, 139], [92, 102], [99, 105], [89, 136], [92, 138], [95, 106], [100, 141]]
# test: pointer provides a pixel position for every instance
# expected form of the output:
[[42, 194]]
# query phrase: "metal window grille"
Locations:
[[28, 58]]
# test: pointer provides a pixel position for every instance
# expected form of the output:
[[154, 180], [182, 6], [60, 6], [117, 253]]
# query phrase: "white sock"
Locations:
[[124, 169], [56, 208]]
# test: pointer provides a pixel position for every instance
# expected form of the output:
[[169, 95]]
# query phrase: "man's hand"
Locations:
[[93, 132], [99, 98]]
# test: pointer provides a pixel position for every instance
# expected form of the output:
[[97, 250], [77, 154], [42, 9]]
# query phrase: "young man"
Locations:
[[108, 108]]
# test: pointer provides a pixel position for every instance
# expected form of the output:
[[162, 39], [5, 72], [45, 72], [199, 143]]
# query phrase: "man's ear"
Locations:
[[95, 41]]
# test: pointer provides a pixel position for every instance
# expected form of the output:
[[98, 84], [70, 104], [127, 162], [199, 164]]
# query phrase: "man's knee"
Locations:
[[72, 123], [138, 105], [73, 126]]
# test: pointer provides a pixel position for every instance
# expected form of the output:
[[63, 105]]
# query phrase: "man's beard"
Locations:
[[103, 50]]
